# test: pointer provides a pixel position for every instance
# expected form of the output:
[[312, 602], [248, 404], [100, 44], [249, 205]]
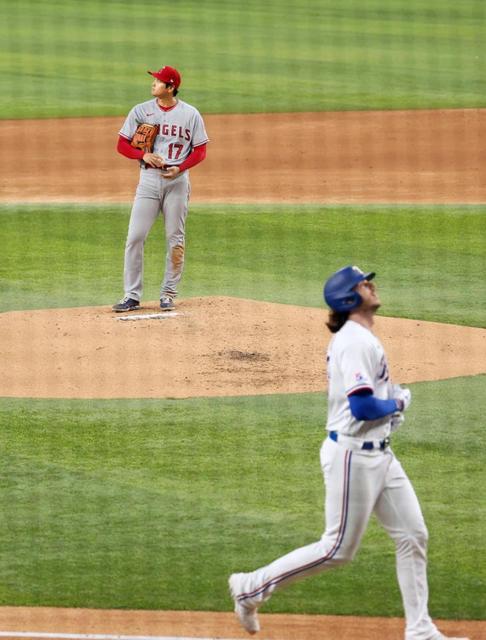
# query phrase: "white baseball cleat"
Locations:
[[246, 615]]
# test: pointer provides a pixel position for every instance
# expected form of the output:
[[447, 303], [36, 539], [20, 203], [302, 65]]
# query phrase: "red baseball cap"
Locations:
[[168, 75]]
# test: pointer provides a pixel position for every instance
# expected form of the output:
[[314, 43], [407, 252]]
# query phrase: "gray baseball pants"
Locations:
[[155, 194]]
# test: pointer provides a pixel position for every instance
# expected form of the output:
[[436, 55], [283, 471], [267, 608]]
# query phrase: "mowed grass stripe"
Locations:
[[66, 58]]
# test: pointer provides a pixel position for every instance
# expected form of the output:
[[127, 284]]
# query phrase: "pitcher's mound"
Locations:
[[217, 346]]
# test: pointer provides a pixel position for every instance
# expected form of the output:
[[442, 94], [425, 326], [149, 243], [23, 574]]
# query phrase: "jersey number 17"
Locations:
[[174, 150]]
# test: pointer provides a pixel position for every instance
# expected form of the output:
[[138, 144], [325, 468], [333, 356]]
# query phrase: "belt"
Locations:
[[367, 445]]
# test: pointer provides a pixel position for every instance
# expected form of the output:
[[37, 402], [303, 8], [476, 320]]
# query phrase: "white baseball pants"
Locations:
[[154, 195], [359, 483]]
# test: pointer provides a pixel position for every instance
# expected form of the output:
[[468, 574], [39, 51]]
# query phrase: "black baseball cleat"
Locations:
[[127, 304], [167, 303]]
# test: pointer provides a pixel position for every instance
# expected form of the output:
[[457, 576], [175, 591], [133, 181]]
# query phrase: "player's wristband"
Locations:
[[400, 404]]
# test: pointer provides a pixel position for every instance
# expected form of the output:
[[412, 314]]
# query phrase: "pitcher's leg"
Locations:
[[175, 207], [145, 210], [399, 511], [350, 497]]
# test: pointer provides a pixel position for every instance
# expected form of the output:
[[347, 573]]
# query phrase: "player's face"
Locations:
[[160, 89], [369, 295]]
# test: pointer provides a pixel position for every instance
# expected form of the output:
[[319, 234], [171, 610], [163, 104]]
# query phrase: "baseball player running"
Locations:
[[164, 182], [361, 473]]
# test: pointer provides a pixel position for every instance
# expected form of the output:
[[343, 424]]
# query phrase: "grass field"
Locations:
[[120, 503], [151, 504], [430, 260], [70, 58]]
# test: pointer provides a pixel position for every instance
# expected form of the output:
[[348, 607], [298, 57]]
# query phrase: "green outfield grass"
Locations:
[[430, 260], [151, 504], [71, 58]]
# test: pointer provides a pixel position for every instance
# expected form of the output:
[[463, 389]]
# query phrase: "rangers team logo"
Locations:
[[384, 374]]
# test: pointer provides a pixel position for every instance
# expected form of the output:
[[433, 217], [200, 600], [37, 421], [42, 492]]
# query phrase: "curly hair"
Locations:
[[337, 319]]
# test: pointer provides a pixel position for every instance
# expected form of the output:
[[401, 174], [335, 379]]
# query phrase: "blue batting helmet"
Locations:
[[339, 291]]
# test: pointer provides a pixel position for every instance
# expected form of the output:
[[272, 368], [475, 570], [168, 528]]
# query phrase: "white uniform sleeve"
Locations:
[[357, 367], [130, 125], [199, 135]]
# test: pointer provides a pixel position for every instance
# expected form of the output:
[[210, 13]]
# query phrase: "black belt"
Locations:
[[367, 445]]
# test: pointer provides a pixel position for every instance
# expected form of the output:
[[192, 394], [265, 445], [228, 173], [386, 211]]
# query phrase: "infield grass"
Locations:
[[151, 504], [430, 260], [70, 58]]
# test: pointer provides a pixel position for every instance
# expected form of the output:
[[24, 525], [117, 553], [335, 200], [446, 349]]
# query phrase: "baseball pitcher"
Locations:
[[167, 136]]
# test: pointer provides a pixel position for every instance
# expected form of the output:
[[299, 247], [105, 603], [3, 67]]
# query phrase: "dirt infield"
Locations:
[[208, 347], [195, 624], [352, 157]]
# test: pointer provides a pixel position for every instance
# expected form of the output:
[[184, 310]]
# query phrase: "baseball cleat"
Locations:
[[127, 304], [167, 303], [246, 615]]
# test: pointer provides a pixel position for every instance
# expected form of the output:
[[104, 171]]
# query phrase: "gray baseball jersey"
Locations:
[[181, 128]]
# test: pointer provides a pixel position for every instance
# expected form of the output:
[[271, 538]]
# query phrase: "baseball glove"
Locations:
[[144, 137]]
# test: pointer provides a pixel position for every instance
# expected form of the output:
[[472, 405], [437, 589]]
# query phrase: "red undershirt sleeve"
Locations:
[[196, 156], [125, 148]]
